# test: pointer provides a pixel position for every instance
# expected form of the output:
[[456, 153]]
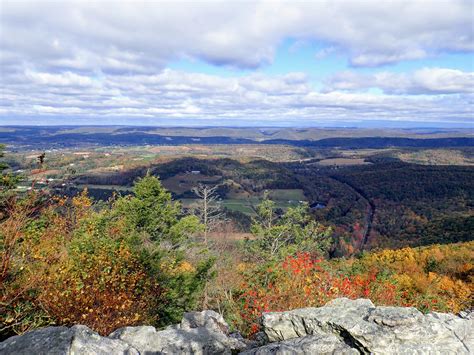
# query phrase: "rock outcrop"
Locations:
[[78, 339], [357, 326], [342, 326], [203, 332], [198, 333]]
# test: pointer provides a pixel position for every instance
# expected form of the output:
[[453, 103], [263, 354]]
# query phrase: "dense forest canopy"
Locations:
[[85, 240], [394, 203]]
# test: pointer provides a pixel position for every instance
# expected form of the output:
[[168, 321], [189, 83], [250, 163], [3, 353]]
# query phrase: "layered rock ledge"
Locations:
[[342, 326]]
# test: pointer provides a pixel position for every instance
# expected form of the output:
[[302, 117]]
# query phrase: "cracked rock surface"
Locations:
[[365, 328], [198, 333], [342, 326]]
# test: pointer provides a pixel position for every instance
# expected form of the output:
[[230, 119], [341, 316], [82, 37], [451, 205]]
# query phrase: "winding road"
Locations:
[[370, 209]]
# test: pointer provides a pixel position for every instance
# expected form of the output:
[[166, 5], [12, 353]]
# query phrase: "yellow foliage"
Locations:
[[437, 277], [242, 267], [185, 267], [404, 281]]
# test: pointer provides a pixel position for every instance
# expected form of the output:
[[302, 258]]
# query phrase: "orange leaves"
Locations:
[[101, 297], [304, 281], [431, 278], [185, 267], [302, 263], [68, 274], [82, 201]]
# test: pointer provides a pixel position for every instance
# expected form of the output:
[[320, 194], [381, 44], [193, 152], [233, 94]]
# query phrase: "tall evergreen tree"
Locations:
[[7, 180]]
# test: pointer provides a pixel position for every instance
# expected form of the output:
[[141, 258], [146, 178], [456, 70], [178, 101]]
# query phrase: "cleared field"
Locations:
[[342, 161], [244, 206], [230, 237], [104, 187], [185, 182], [239, 205], [241, 152], [438, 157], [283, 198], [287, 194]]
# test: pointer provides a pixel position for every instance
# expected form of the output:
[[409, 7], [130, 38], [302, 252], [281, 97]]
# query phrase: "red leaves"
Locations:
[[406, 277], [304, 281], [301, 263]]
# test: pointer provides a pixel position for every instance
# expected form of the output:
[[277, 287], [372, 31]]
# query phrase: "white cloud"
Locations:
[[125, 36], [253, 98], [440, 80], [427, 81], [62, 79], [109, 59]]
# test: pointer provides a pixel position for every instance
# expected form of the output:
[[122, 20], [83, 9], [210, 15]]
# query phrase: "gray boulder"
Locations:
[[370, 329], [199, 333], [342, 326], [78, 339], [203, 332], [307, 345]]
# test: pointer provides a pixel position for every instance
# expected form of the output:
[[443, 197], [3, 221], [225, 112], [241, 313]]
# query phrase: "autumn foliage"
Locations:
[[301, 281], [68, 261], [437, 278], [133, 260]]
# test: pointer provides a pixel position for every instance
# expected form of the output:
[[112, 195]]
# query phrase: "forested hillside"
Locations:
[[140, 260], [61, 137], [236, 177], [385, 203]]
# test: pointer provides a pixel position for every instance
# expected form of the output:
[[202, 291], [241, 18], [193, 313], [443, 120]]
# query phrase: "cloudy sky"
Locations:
[[315, 63]]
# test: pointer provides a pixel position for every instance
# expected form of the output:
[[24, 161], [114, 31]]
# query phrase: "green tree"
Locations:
[[152, 213], [72, 261], [7, 180], [281, 235], [162, 236]]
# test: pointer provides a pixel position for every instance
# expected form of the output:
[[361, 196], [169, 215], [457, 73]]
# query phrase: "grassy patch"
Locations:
[[185, 182], [343, 161], [287, 194], [283, 198]]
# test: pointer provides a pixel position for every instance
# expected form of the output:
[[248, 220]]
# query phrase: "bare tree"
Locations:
[[208, 209], [40, 159]]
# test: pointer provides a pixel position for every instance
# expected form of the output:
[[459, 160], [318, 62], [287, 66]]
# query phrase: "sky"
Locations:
[[237, 63]]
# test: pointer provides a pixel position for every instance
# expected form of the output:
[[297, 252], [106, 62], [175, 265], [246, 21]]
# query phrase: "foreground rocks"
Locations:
[[346, 326], [198, 333], [343, 326]]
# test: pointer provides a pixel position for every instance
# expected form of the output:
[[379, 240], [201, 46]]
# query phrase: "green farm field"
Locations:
[[283, 198]]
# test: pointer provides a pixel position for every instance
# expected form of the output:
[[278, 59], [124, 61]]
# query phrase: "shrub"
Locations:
[[277, 236], [436, 278], [71, 262], [303, 280]]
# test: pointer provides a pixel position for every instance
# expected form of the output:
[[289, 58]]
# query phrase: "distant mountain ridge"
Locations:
[[51, 137]]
